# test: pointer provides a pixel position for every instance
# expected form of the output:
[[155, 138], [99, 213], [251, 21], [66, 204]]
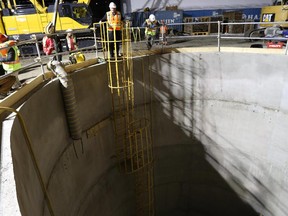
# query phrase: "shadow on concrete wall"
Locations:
[[189, 180]]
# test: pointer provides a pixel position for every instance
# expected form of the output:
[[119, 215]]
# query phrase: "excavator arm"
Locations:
[[2, 4], [38, 6], [8, 4]]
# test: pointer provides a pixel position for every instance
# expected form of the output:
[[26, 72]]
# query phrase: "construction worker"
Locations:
[[71, 41], [163, 32], [225, 29], [71, 44], [151, 25], [51, 43], [9, 57], [48, 44], [114, 22]]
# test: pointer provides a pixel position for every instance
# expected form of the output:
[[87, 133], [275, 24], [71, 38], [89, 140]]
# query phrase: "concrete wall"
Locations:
[[235, 105], [78, 181], [219, 126]]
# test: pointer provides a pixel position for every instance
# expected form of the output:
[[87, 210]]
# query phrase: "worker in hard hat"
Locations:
[[151, 27], [48, 41], [114, 24], [71, 41], [51, 43], [48, 44], [9, 57], [71, 44], [163, 32]]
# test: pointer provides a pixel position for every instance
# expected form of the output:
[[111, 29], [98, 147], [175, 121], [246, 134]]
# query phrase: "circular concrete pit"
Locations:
[[219, 123]]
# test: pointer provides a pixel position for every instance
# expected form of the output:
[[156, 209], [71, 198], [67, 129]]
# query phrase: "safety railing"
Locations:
[[177, 33], [243, 34], [40, 59]]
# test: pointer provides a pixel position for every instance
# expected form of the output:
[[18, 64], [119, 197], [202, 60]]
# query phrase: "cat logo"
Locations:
[[268, 17]]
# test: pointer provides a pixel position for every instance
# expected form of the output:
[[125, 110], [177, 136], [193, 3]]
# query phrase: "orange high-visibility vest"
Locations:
[[114, 21], [163, 29]]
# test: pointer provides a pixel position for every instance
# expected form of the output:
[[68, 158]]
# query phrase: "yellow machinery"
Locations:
[[273, 15], [20, 21]]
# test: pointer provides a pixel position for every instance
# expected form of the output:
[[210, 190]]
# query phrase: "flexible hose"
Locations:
[[71, 110]]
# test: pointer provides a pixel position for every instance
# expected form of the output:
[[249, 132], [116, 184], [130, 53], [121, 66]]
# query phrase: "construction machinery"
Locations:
[[273, 19], [20, 19]]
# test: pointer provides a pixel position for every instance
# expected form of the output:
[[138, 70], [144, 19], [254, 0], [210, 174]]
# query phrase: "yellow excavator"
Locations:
[[20, 21], [278, 12], [273, 19]]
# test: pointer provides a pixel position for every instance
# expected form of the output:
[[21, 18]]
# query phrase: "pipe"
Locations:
[[71, 110], [68, 93]]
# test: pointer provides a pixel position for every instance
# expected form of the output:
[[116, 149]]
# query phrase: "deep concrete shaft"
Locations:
[[219, 132]]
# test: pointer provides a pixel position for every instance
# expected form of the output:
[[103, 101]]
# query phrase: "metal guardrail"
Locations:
[[138, 36], [39, 59], [222, 36], [219, 35]]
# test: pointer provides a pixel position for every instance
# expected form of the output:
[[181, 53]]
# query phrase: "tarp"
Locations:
[[139, 5]]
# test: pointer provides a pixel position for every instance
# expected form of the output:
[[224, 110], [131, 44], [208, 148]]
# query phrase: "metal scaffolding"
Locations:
[[132, 126]]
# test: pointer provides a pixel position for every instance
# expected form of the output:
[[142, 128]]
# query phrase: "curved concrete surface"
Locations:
[[219, 132]]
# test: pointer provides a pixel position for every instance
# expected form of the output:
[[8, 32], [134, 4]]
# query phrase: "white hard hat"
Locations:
[[152, 17], [112, 5]]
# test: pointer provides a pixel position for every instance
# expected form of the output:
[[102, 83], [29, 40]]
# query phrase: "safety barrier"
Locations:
[[239, 32], [244, 39]]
